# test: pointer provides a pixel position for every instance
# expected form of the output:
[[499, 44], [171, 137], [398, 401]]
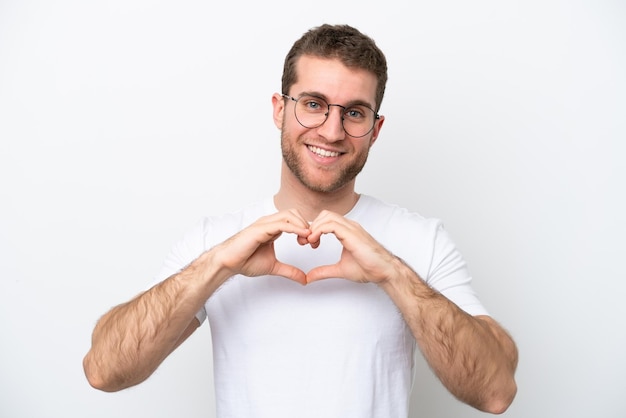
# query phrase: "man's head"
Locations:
[[333, 84], [342, 42]]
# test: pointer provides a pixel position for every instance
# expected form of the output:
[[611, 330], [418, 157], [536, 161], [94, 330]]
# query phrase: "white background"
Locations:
[[123, 122]]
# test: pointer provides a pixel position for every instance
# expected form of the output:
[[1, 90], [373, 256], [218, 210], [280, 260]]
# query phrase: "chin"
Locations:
[[326, 187]]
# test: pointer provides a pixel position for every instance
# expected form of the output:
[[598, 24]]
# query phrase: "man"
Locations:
[[318, 297]]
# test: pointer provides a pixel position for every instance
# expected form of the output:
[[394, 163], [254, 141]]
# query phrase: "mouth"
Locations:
[[323, 152]]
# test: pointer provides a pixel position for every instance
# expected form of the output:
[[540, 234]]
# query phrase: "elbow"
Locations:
[[97, 376], [500, 402]]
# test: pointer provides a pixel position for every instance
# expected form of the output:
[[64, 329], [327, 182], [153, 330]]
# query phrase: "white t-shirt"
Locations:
[[334, 348]]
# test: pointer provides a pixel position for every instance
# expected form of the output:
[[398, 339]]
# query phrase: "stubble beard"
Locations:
[[294, 163]]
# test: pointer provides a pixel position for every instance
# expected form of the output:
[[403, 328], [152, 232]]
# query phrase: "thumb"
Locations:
[[290, 272], [323, 272]]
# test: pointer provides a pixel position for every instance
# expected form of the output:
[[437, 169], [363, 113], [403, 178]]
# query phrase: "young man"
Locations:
[[318, 297]]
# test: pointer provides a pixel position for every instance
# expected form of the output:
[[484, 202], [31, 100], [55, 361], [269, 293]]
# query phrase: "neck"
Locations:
[[295, 195]]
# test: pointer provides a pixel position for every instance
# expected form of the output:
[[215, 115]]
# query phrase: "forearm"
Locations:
[[472, 356], [131, 340]]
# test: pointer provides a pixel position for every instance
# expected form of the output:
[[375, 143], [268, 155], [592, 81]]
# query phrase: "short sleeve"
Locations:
[[450, 276]]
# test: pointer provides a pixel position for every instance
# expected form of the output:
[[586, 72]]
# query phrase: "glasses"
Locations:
[[311, 112]]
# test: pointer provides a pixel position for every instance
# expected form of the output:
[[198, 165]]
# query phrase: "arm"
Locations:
[[133, 339], [472, 356]]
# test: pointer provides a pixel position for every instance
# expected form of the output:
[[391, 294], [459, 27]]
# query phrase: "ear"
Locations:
[[377, 127], [278, 103]]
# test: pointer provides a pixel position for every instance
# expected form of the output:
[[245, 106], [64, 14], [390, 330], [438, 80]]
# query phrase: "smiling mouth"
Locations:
[[322, 152]]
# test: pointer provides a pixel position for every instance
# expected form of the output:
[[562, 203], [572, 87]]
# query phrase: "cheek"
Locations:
[[294, 130], [364, 146]]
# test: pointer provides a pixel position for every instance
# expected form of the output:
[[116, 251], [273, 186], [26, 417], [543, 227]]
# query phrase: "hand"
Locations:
[[251, 251], [363, 259]]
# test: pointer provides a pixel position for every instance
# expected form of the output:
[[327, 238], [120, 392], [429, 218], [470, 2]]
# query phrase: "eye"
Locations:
[[355, 113], [313, 104]]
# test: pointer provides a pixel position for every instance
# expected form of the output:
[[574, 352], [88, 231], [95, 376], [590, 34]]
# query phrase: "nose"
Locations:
[[332, 128]]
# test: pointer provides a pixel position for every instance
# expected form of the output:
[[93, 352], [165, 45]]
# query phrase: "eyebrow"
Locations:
[[323, 97]]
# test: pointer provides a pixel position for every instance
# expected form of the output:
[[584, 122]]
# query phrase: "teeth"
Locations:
[[322, 152]]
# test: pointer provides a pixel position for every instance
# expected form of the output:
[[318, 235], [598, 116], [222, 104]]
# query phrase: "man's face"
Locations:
[[325, 159]]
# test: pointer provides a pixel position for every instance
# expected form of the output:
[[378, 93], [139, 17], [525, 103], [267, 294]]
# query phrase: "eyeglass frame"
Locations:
[[376, 115]]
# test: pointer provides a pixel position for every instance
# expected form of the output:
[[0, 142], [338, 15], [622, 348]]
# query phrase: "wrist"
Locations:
[[404, 280], [206, 273]]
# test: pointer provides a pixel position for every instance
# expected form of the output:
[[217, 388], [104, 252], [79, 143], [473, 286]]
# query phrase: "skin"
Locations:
[[474, 357]]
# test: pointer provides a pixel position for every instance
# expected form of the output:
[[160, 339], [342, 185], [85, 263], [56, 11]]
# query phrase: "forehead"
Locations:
[[332, 79]]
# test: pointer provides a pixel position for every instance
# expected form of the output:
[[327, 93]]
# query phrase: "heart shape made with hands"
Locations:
[[294, 273], [362, 258], [251, 252]]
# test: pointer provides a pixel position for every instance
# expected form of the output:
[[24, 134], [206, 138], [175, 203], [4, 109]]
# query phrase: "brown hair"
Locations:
[[353, 48]]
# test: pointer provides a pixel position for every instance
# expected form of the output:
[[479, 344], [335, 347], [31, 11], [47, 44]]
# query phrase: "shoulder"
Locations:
[[217, 228], [408, 234], [208, 232], [373, 212]]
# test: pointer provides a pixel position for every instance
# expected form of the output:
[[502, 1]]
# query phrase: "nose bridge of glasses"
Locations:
[[342, 110]]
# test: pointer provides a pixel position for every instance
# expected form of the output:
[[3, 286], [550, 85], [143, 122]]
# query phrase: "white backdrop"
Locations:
[[123, 122]]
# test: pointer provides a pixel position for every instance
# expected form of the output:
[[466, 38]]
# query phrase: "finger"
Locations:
[[304, 240], [329, 225], [290, 221], [314, 242], [271, 231], [285, 217], [293, 216], [290, 272], [330, 222]]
